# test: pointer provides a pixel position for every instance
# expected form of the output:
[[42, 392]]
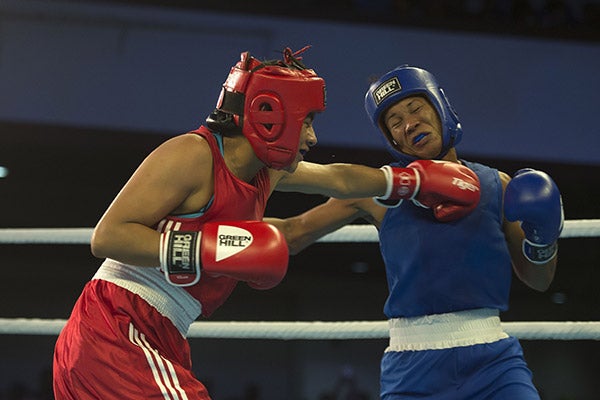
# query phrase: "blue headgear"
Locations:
[[403, 82]]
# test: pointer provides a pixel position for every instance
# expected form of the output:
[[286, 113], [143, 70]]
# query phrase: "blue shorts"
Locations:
[[495, 371]]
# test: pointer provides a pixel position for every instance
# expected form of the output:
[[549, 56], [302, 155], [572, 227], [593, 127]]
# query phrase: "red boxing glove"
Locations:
[[450, 189], [251, 251]]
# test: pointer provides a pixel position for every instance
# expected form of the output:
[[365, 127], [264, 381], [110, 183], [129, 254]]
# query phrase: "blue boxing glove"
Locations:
[[533, 198]]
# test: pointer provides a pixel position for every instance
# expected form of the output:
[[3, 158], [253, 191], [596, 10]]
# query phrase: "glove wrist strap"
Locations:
[[402, 183], [539, 253], [389, 179], [180, 257]]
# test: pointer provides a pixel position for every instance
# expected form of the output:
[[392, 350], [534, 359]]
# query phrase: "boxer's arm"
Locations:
[[339, 180], [450, 189], [536, 276], [302, 230], [175, 178]]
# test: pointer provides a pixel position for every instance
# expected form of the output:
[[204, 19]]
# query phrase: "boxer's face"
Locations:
[[415, 127], [308, 139]]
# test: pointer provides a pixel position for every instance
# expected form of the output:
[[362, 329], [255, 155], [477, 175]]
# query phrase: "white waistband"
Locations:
[[444, 331], [150, 284]]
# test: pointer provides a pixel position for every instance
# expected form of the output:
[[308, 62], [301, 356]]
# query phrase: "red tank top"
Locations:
[[233, 200]]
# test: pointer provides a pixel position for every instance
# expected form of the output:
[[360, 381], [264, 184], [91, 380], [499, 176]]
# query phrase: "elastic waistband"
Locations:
[[150, 284], [444, 331]]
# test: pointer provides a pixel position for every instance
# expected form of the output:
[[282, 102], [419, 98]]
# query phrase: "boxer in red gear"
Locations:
[[126, 335]]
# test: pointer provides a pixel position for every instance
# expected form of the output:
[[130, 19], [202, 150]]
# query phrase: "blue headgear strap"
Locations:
[[403, 82]]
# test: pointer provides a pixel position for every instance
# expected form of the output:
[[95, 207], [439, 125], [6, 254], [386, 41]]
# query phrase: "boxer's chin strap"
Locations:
[[445, 149]]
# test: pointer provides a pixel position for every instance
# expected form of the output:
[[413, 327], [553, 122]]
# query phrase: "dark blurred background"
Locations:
[[64, 173]]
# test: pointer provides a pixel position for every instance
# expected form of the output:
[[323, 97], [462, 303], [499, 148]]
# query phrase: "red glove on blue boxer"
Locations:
[[533, 198], [450, 189]]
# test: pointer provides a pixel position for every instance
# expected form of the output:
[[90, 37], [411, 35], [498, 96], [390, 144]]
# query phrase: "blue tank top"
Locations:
[[435, 267]]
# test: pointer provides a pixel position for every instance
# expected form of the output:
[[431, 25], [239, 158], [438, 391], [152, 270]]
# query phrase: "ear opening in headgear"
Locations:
[[266, 107], [267, 116]]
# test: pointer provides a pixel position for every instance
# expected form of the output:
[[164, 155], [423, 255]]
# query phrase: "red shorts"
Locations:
[[116, 346]]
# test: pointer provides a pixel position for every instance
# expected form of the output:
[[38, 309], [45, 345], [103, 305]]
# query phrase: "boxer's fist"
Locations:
[[251, 251], [533, 198], [451, 190]]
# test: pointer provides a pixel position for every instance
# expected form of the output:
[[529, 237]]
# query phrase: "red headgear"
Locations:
[[271, 99]]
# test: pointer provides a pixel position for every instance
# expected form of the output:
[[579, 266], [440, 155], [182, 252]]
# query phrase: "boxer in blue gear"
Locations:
[[448, 280]]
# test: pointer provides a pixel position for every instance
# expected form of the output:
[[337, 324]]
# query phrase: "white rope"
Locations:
[[349, 233], [316, 330], [46, 235], [586, 330]]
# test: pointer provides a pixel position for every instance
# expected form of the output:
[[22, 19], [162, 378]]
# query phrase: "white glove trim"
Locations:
[[389, 178], [417, 186], [544, 252]]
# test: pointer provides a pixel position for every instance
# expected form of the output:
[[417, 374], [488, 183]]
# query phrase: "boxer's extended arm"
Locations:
[[451, 190], [339, 180], [304, 229]]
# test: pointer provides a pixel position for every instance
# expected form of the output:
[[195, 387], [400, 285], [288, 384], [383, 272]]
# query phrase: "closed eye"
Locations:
[[393, 121]]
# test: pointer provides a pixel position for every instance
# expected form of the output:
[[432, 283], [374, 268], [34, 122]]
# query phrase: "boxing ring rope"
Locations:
[[317, 330], [350, 233]]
